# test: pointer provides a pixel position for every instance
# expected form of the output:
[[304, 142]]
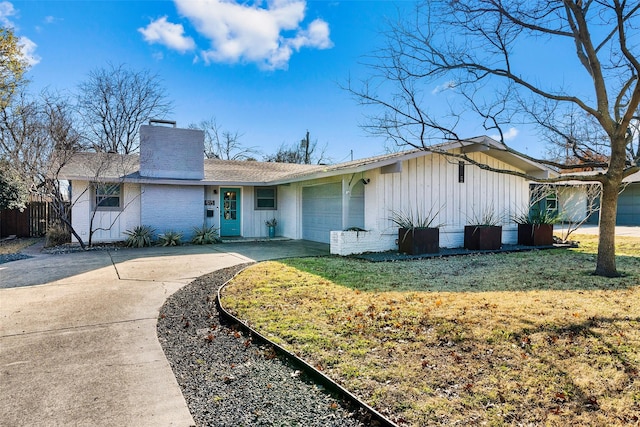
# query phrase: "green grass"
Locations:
[[506, 339]]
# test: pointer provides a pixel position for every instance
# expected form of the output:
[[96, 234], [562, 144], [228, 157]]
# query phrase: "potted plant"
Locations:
[[271, 224], [417, 233], [535, 227], [484, 231]]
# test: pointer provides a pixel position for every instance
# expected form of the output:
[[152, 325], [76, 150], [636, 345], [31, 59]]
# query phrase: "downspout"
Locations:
[[346, 198]]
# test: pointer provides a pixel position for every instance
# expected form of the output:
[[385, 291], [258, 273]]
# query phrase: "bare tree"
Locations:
[[306, 152], [574, 204], [467, 48], [41, 145], [38, 139], [113, 102], [104, 192], [223, 144]]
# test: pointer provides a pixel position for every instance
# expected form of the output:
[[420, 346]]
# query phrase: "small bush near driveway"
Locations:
[[526, 338]]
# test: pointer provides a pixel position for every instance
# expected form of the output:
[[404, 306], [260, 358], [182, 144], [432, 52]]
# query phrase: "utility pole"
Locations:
[[305, 143]]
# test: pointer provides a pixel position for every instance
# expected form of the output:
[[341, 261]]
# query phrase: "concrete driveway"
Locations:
[[78, 342]]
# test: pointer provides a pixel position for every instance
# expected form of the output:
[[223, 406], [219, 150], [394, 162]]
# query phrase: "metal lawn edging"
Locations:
[[376, 418]]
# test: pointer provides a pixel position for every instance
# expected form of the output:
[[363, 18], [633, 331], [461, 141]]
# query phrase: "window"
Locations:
[[266, 198], [461, 171], [552, 203], [107, 196]]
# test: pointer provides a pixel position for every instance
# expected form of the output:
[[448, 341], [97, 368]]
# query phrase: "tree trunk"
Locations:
[[606, 263], [63, 217]]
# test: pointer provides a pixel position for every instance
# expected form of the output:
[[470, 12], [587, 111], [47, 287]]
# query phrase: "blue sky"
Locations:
[[270, 72]]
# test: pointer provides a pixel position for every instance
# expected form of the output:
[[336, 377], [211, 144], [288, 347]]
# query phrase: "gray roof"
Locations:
[[238, 171], [109, 167], [103, 166], [235, 172]]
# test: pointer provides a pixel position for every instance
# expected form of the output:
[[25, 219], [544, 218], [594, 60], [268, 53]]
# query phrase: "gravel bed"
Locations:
[[12, 257], [445, 252], [68, 248], [226, 379]]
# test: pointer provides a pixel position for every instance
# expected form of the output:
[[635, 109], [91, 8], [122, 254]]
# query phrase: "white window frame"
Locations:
[[257, 199], [97, 197]]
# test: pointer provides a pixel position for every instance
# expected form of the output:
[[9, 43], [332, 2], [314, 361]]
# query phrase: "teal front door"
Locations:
[[230, 212]]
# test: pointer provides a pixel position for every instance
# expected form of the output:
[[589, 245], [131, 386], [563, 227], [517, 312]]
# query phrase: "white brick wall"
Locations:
[[453, 237], [173, 208], [358, 242], [171, 152]]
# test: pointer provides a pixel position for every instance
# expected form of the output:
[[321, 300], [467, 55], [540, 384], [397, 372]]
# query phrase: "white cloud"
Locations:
[[317, 35], [168, 34], [265, 35], [28, 48], [444, 86], [6, 10], [510, 134]]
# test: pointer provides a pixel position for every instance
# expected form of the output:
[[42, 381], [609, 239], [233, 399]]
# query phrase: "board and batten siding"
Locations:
[[172, 208], [114, 222], [253, 220], [572, 203], [430, 184], [289, 211]]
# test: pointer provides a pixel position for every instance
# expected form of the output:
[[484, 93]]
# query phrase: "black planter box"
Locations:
[[535, 234], [419, 241], [482, 237]]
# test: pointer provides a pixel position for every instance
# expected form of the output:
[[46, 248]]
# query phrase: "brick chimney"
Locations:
[[170, 152]]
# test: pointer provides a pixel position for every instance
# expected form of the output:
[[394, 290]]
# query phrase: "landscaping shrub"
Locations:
[[170, 238], [205, 235], [139, 237], [57, 235]]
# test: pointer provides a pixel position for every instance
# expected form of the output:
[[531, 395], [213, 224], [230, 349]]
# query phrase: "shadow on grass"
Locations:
[[570, 352], [556, 269], [569, 368]]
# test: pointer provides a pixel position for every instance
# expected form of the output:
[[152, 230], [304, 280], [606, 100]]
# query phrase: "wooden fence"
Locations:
[[32, 221]]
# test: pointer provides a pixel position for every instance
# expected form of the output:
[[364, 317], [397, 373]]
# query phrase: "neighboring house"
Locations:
[[170, 186], [575, 202]]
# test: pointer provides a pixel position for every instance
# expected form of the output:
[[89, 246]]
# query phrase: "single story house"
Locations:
[[579, 202], [576, 200], [170, 186]]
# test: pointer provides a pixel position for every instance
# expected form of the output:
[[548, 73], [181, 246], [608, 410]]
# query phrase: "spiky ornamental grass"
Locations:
[[205, 235], [140, 237], [415, 218], [504, 339], [170, 238]]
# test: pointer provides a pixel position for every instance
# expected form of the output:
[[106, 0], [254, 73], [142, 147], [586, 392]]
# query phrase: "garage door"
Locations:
[[321, 211], [629, 206]]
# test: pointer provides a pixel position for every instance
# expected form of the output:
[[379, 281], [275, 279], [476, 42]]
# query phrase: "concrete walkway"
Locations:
[[621, 230], [78, 342]]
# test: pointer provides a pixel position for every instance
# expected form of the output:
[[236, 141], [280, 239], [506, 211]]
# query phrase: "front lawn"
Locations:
[[523, 339]]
